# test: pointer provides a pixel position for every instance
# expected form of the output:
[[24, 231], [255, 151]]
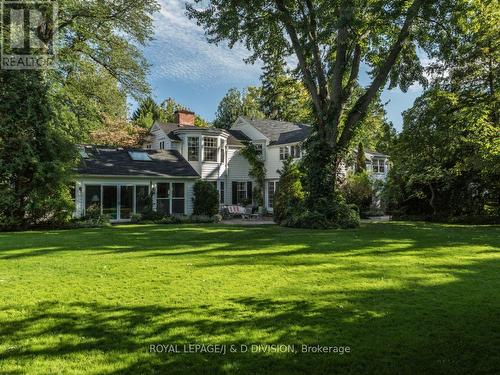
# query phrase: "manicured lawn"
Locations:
[[405, 297]]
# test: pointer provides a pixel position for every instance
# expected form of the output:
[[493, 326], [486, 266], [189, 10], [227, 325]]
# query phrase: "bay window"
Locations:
[[210, 149]]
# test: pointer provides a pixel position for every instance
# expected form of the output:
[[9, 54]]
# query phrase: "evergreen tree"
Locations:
[[360, 159], [283, 97], [36, 157]]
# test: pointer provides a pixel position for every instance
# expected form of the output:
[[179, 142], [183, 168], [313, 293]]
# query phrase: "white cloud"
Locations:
[[180, 52]]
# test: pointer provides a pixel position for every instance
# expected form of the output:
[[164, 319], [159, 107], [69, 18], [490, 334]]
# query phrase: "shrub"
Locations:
[[332, 213], [358, 190], [200, 219], [206, 199], [217, 218], [289, 193], [136, 218]]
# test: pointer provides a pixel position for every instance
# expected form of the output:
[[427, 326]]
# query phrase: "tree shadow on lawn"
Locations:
[[258, 241], [451, 327]]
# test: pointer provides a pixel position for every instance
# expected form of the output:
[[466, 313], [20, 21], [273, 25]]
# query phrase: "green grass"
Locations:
[[405, 297]]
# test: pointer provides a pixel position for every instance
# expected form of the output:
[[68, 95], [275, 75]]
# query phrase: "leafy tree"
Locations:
[[229, 109], [36, 156], [250, 103], [290, 192], [358, 190], [446, 158], [206, 198], [169, 106], [118, 133], [360, 159], [283, 97], [147, 111], [330, 40]]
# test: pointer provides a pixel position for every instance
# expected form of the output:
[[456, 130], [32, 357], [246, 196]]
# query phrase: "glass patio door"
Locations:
[[126, 202], [110, 201]]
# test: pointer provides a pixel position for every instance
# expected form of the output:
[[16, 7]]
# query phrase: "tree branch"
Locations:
[[360, 107], [312, 28], [299, 51]]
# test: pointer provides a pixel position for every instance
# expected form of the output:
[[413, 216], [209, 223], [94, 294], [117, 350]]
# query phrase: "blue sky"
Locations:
[[198, 74]]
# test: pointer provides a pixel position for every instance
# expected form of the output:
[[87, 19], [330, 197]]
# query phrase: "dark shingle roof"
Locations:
[[280, 132], [117, 162], [236, 137]]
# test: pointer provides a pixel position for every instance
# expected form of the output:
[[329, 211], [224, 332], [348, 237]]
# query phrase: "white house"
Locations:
[[177, 154]]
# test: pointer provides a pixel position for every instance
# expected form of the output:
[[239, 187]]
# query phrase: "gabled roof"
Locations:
[[118, 162], [281, 132]]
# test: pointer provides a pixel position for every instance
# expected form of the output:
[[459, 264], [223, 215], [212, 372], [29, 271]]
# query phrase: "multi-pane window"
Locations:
[[272, 186], [162, 145], [378, 165], [259, 149], [222, 151], [284, 152], [210, 149], [170, 198], [241, 192], [293, 151], [193, 148]]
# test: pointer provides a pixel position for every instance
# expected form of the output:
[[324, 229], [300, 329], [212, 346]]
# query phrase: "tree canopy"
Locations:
[[330, 40]]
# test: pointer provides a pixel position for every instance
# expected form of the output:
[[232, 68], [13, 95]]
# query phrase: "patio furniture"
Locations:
[[232, 211]]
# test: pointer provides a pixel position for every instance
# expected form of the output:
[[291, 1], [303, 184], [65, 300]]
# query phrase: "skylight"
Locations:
[[83, 153], [139, 156]]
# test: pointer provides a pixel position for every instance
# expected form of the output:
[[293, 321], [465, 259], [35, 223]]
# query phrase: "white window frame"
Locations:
[[213, 148], [238, 190], [196, 146], [378, 166]]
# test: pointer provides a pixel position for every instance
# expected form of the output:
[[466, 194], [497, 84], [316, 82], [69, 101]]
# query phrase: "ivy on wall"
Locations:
[[257, 169]]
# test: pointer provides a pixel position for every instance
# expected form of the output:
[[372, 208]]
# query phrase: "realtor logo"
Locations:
[[28, 32]]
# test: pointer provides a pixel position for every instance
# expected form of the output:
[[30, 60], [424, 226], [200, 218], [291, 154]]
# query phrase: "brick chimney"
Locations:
[[184, 117]]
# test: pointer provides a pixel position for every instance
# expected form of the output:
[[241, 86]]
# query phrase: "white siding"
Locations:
[[238, 166], [273, 162]]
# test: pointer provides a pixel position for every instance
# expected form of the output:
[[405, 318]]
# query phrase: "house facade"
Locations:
[[175, 155]]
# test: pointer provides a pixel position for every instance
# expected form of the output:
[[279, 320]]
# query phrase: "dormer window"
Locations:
[[210, 149]]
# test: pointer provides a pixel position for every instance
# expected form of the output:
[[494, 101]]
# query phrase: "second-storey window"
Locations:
[[284, 152], [295, 151], [193, 148], [378, 166], [162, 145], [210, 149], [222, 151]]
